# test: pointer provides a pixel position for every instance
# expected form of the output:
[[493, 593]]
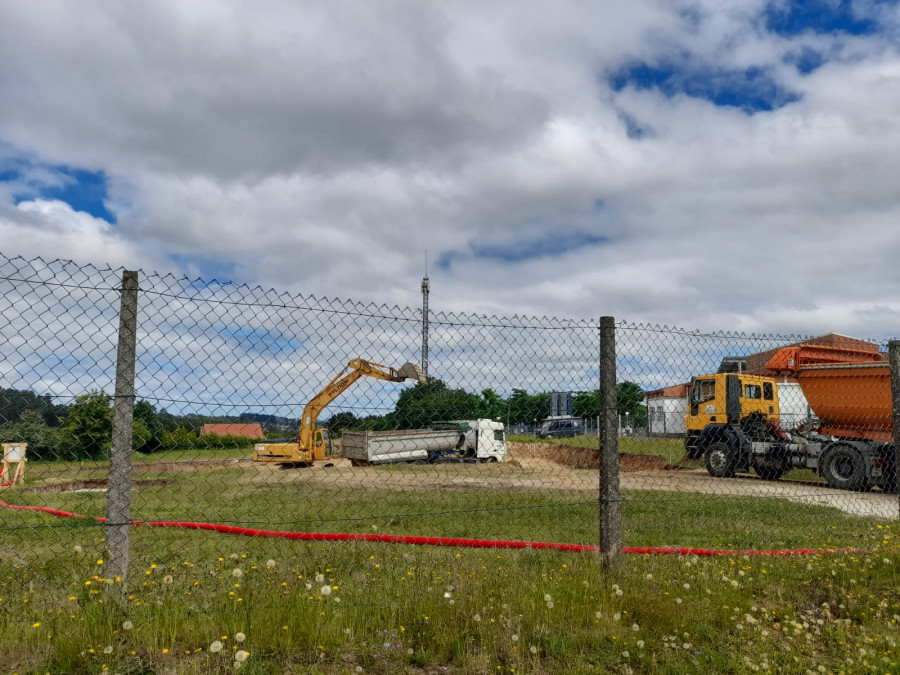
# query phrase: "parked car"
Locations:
[[561, 428]]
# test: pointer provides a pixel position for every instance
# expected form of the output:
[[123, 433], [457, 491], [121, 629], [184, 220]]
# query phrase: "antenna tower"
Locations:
[[426, 288]]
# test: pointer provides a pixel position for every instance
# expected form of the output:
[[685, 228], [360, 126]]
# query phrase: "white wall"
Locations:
[[666, 415]]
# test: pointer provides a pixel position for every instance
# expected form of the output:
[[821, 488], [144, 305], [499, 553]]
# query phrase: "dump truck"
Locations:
[[480, 440], [733, 419], [313, 442]]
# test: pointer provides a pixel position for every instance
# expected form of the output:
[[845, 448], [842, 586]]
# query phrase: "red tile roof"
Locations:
[[248, 430]]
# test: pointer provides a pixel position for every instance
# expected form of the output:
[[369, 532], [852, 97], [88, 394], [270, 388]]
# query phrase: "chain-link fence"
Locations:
[[501, 441]]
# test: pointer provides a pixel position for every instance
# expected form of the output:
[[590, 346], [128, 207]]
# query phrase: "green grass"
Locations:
[[387, 610]]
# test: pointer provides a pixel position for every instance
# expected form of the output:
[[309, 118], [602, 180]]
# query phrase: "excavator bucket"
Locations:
[[412, 372]]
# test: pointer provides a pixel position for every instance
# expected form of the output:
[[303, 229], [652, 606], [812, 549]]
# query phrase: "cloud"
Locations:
[[744, 182]]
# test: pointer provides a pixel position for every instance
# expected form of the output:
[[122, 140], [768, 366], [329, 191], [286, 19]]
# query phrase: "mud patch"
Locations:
[[95, 484], [584, 458]]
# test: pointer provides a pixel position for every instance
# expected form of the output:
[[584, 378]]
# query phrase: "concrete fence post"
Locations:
[[118, 495], [894, 359], [610, 502]]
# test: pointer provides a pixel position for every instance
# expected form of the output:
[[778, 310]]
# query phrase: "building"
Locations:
[[666, 410], [254, 430]]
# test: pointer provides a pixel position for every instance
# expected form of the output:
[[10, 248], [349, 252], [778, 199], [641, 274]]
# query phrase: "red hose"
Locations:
[[444, 541]]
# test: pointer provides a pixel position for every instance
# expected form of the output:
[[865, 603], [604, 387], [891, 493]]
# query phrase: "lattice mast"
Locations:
[[426, 288]]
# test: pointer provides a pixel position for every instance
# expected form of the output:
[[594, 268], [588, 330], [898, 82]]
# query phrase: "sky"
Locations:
[[692, 163]]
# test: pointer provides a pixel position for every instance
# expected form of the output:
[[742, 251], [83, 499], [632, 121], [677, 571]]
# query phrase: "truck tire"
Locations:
[[721, 460], [843, 467]]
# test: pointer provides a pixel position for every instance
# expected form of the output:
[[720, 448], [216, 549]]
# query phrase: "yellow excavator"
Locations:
[[314, 442]]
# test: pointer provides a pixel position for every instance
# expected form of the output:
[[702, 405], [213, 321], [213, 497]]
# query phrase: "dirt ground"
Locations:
[[561, 468], [528, 466]]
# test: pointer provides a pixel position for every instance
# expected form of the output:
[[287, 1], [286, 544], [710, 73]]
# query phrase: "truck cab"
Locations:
[[483, 440], [729, 398]]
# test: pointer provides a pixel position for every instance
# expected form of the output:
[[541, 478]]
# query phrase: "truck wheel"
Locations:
[[721, 460], [769, 472], [843, 467]]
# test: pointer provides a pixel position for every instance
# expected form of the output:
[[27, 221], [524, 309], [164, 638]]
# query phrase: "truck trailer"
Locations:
[[733, 419], [461, 441]]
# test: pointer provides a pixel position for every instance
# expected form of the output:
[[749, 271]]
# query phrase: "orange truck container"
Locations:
[[848, 390]]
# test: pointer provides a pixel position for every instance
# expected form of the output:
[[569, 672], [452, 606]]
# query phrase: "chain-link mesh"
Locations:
[[719, 447]]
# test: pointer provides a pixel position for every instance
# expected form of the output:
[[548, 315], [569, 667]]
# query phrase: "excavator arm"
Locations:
[[355, 369]]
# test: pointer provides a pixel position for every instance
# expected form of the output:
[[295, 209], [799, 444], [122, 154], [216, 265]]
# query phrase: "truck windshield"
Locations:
[[703, 390]]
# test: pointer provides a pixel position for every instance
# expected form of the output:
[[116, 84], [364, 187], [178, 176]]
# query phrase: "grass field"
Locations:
[[382, 608]]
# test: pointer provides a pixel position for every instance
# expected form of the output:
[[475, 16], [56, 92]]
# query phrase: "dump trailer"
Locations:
[[462, 441], [850, 443]]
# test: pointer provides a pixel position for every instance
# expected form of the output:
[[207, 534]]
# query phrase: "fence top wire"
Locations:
[[173, 286]]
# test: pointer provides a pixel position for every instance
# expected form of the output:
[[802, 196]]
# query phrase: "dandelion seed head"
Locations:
[[270, 563], [325, 590], [640, 644], [237, 572], [547, 598], [127, 625], [550, 605], [532, 649], [320, 578], [215, 647], [240, 656], [239, 637], [77, 548], [477, 617], [234, 556], [635, 627], [107, 649]]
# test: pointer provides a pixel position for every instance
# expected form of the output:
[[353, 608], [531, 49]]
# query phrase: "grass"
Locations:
[[392, 608]]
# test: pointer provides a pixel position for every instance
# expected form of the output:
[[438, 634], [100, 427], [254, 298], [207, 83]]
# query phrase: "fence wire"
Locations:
[[501, 441]]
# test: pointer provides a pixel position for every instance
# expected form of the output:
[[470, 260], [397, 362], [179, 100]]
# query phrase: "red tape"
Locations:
[[455, 541]]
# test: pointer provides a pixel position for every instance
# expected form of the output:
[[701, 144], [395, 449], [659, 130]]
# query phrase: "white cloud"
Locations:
[[323, 149]]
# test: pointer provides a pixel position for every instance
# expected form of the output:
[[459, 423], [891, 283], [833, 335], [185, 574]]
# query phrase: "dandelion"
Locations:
[[270, 563], [240, 656], [325, 590], [640, 644], [515, 638], [127, 625], [687, 586], [36, 624], [77, 548], [635, 627], [168, 579], [547, 598], [550, 605], [237, 572], [619, 592], [532, 649], [447, 595], [107, 649], [599, 615], [477, 617], [616, 616], [215, 647], [649, 577], [234, 556], [320, 578], [239, 637], [677, 601], [309, 587], [625, 654]]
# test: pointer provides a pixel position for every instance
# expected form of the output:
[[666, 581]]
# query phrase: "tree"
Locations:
[[420, 406], [340, 421], [630, 403], [44, 442], [149, 438], [88, 424]]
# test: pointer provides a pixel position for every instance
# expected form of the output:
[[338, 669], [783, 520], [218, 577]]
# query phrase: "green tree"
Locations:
[[44, 442], [88, 424], [340, 421], [150, 436], [630, 400]]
